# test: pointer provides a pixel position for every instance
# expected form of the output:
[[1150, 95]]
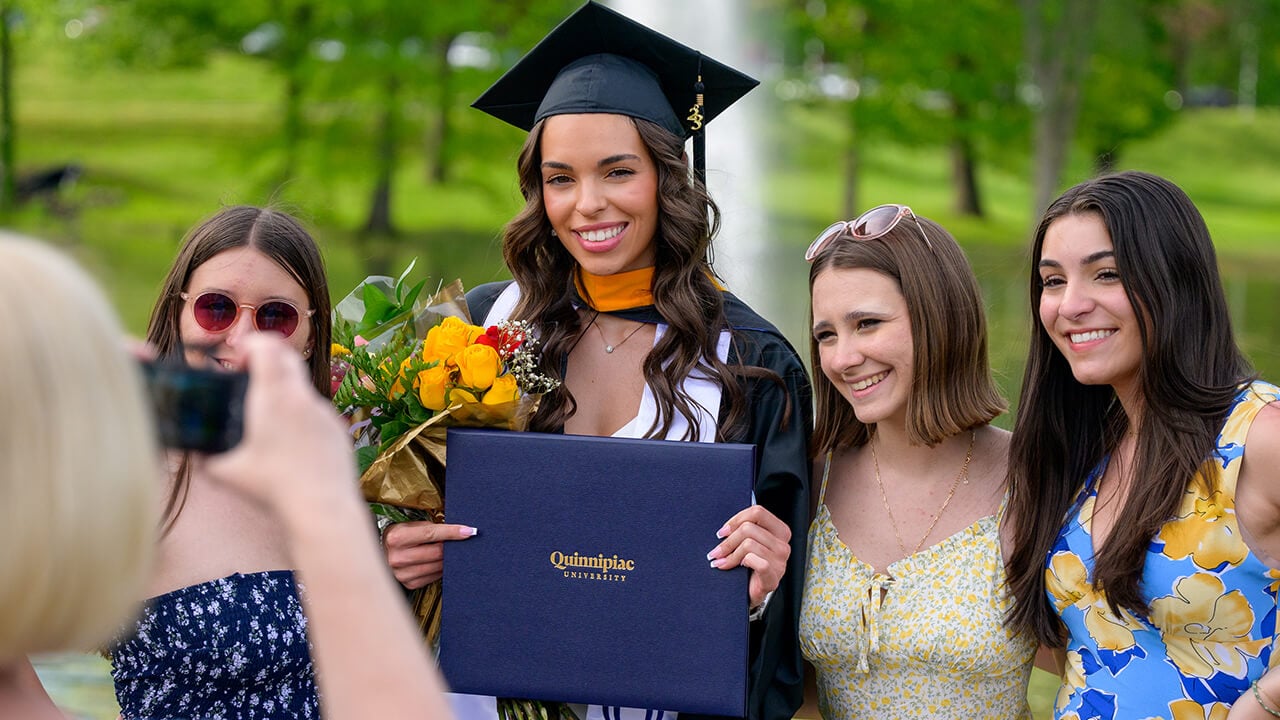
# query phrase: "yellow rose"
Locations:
[[479, 365], [397, 387], [337, 350], [504, 390], [459, 395], [445, 339], [431, 385]]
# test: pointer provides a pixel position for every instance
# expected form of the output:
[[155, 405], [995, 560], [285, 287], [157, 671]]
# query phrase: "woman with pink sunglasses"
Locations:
[[223, 632], [903, 615]]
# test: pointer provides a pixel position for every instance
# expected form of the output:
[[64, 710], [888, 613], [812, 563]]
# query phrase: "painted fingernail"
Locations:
[[723, 532], [717, 564], [467, 531], [715, 553]]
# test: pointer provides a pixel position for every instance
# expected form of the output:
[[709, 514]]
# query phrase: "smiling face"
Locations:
[[1083, 306], [600, 191], [248, 277], [863, 331]]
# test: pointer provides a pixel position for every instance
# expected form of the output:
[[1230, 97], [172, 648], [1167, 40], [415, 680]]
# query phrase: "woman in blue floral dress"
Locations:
[[1144, 467]]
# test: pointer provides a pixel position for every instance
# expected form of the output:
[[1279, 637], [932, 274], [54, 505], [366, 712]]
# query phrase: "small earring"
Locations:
[[553, 233], [306, 353]]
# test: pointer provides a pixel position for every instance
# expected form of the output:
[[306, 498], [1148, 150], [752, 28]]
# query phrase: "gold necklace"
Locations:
[[964, 475], [607, 347]]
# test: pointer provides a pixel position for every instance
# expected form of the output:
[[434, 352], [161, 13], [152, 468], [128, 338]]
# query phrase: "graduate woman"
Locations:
[[611, 263]]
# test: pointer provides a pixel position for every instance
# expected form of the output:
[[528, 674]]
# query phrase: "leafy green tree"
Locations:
[[921, 72], [1058, 38], [1131, 79], [166, 34]]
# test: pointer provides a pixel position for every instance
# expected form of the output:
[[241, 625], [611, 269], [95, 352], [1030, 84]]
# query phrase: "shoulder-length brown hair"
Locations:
[[952, 389], [275, 234], [684, 292], [1189, 376]]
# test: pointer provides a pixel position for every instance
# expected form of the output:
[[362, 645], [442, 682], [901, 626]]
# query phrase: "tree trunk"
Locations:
[[964, 171], [297, 38], [1247, 86], [849, 201], [964, 160], [440, 131], [292, 130], [1057, 71], [8, 182], [379, 222]]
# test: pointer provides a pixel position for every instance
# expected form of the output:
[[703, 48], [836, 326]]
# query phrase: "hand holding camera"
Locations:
[[295, 454]]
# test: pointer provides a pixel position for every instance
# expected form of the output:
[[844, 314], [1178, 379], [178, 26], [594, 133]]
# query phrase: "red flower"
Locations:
[[337, 371], [488, 338]]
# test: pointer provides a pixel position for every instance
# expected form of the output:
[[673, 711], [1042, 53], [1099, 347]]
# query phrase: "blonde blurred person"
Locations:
[[79, 509], [78, 470]]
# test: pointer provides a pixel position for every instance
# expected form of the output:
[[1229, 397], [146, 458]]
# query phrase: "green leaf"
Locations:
[[407, 302], [377, 307], [405, 274], [365, 457]]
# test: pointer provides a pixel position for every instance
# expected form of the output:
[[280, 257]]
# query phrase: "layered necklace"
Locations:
[[962, 476]]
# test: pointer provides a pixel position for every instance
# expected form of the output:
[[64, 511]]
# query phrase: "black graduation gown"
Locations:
[[782, 486]]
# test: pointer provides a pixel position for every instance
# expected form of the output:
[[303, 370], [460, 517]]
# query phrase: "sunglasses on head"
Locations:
[[870, 225], [215, 312]]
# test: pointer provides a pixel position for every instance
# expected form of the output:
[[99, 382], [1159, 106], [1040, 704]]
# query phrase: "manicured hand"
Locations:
[[756, 539], [415, 550]]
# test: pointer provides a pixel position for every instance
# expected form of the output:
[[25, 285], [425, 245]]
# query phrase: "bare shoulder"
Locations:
[[1261, 468], [1257, 500], [991, 455], [996, 441]]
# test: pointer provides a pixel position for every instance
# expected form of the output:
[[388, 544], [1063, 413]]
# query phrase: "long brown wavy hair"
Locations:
[[1190, 374], [684, 293], [280, 237]]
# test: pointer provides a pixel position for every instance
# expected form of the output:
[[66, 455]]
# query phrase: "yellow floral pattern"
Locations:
[[1211, 628], [925, 640], [1206, 628]]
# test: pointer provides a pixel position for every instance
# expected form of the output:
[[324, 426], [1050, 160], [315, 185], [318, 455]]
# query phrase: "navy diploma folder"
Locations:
[[588, 580]]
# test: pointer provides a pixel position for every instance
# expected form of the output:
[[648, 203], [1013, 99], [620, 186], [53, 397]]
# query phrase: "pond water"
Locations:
[[79, 684]]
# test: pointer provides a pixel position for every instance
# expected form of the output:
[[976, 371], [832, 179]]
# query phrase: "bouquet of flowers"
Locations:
[[404, 369]]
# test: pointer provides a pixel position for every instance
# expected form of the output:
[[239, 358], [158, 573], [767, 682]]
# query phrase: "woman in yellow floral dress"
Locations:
[[903, 616], [1144, 467]]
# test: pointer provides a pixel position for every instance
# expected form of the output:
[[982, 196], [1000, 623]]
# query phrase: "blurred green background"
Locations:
[[122, 124]]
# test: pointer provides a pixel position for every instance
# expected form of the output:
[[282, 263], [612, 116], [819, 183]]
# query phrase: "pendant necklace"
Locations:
[[964, 475], [608, 348]]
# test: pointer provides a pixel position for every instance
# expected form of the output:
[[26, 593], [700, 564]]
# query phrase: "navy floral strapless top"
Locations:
[[233, 648]]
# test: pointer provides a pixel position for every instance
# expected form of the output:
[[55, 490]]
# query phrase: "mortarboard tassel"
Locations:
[[695, 124]]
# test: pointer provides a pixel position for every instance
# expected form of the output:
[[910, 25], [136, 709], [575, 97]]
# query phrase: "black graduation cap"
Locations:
[[600, 61]]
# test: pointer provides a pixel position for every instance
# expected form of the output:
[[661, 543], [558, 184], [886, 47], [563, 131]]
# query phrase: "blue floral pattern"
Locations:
[[233, 648], [1210, 629]]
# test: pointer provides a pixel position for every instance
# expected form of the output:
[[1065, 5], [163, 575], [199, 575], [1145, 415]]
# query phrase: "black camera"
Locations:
[[195, 408]]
